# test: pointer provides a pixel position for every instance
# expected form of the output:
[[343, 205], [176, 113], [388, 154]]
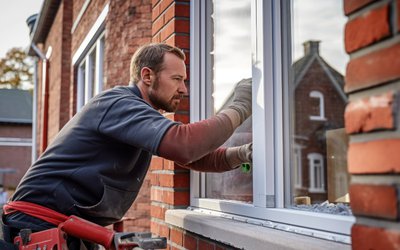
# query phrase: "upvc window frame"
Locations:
[[93, 42], [86, 80], [271, 145]]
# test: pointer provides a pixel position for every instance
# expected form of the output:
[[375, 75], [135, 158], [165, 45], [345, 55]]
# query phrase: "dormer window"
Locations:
[[318, 107]]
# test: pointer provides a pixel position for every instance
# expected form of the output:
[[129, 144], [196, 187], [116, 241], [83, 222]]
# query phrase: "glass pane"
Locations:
[[231, 61], [316, 102], [81, 85], [92, 73]]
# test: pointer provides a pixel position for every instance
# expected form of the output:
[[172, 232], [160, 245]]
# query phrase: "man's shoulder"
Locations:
[[120, 92]]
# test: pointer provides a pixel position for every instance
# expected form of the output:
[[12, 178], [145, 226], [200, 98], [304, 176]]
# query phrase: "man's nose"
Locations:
[[182, 88]]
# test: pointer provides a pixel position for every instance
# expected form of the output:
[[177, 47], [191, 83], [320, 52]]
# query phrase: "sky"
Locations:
[[321, 20], [13, 28]]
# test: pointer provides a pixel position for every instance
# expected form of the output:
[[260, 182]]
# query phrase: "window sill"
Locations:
[[318, 118], [244, 235]]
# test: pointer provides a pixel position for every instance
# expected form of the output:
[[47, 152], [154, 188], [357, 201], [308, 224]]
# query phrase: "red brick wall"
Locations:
[[128, 26], [371, 118], [59, 38], [87, 20], [169, 182], [15, 157]]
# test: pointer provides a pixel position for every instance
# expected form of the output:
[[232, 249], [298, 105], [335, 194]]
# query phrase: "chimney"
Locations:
[[311, 47], [30, 21]]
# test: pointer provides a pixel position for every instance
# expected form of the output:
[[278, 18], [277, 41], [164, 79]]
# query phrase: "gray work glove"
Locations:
[[242, 99], [238, 155]]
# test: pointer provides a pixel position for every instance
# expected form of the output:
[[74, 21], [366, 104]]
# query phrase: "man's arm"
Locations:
[[195, 145]]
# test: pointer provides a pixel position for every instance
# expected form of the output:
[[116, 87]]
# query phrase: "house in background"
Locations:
[[319, 106], [15, 135], [84, 47]]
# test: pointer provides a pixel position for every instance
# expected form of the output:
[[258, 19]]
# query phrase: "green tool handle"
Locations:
[[245, 167]]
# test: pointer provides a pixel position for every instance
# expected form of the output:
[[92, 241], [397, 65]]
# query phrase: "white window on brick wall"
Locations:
[[319, 106], [90, 73], [232, 40], [88, 61]]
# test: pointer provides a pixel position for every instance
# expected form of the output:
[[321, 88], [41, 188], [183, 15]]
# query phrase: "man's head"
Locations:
[[159, 70], [151, 56]]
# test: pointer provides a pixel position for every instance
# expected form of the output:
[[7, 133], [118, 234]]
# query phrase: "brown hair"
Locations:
[[151, 56]]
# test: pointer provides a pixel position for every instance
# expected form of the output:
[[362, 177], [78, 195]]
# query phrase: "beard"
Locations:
[[170, 105]]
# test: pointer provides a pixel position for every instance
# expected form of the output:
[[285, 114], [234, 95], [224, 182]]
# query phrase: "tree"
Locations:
[[16, 69]]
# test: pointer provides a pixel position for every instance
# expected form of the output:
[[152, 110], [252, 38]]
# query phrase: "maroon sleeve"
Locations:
[[192, 143], [212, 162]]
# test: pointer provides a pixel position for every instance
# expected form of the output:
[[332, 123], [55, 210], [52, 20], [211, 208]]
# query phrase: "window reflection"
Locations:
[[319, 143], [230, 55]]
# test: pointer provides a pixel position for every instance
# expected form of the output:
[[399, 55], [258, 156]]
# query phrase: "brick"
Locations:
[[170, 165], [157, 212], [177, 10], [155, 13], [366, 29], [181, 41], [374, 200], [157, 163], [177, 236], [154, 179], [352, 5], [164, 4], [159, 229], [154, 2], [180, 180], [206, 245], [175, 26], [182, 10], [373, 69], [364, 237], [381, 156], [369, 114], [182, 118], [178, 198], [189, 242], [157, 25]]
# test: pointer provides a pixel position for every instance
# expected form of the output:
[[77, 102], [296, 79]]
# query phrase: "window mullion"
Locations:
[[99, 66], [263, 136]]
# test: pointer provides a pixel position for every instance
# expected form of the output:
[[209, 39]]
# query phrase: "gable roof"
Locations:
[[302, 65], [15, 106]]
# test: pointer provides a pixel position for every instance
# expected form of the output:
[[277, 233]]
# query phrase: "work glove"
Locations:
[[242, 99], [238, 155]]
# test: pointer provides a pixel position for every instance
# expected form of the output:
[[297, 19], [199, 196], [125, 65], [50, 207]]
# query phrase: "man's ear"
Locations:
[[146, 75]]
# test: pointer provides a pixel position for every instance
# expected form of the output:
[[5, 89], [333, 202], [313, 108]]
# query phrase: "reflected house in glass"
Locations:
[[233, 185], [318, 119]]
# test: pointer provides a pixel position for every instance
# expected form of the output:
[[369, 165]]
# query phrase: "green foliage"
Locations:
[[16, 69]]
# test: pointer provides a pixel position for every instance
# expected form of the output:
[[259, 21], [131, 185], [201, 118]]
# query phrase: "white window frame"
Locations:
[[92, 43], [86, 79], [321, 104], [270, 157], [320, 177]]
